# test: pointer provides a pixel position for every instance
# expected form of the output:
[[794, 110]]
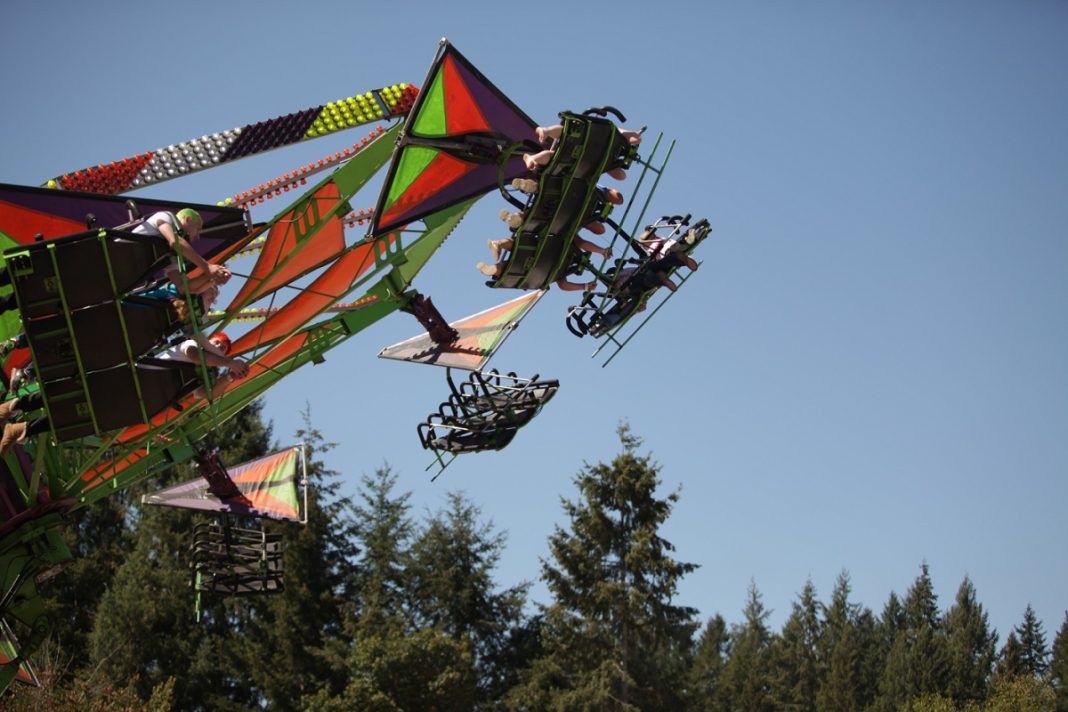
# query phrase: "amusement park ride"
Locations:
[[85, 319]]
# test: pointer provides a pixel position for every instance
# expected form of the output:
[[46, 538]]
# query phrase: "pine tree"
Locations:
[[918, 662], [746, 679], [392, 671], [383, 531], [1010, 662], [1033, 641], [706, 672], [613, 637], [387, 662], [850, 653], [796, 667], [971, 647], [145, 627], [891, 622], [288, 637], [99, 540], [1058, 669], [452, 588]]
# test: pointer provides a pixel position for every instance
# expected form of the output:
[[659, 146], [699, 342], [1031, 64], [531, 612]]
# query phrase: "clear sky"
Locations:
[[868, 372]]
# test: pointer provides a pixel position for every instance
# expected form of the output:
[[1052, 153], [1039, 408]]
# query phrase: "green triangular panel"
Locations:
[[431, 118], [413, 161], [466, 132]]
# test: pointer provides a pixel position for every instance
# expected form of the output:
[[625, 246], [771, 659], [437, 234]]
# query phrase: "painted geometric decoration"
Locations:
[[457, 101], [480, 336], [268, 489]]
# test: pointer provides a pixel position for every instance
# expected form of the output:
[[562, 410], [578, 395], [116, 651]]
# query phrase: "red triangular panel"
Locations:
[[472, 105], [286, 255], [330, 286], [443, 171], [461, 111]]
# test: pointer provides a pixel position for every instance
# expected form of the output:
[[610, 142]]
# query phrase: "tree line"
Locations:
[[384, 611]]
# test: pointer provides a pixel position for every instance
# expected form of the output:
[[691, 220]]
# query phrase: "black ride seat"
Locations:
[[627, 293], [101, 334], [116, 397], [567, 198], [83, 269], [234, 561], [485, 412]]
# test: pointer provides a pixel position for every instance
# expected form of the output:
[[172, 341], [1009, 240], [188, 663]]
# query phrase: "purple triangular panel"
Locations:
[[502, 116], [481, 180]]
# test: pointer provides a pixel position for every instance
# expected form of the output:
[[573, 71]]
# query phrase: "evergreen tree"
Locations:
[[706, 673], [918, 662], [388, 663], [849, 652], [452, 586], [796, 667], [1010, 661], [971, 647], [383, 531], [1033, 644], [891, 622], [393, 671], [145, 627], [1058, 669], [99, 540], [613, 637], [746, 679], [287, 636]]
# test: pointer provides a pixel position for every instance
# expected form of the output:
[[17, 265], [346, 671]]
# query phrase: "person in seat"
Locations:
[[180, 230], [213, 352]]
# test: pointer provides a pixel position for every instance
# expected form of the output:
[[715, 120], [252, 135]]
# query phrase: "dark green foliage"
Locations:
[[409, 636], [1058, 667], [391, 672], [383, 531], [891, 622], [99, 540], [452, 590], [1024, 653], [971, 647], [1010, 659], [796, 667], [850, 653], [285, 636], [747, 679], [710, 658], [918, 662], [380, 612], [613, 637], [145, 627], [1033, 641]]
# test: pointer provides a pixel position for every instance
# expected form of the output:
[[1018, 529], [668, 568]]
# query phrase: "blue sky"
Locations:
[[869, 370]]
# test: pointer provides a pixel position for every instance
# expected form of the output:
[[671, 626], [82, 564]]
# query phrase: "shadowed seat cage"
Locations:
[[484, 412], [632, 281], [233, 561]]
